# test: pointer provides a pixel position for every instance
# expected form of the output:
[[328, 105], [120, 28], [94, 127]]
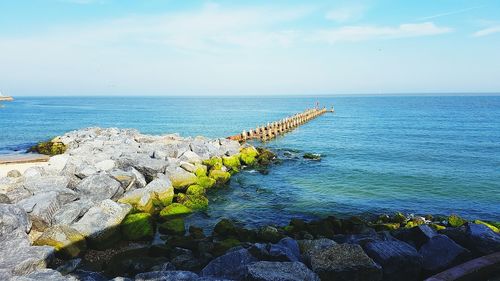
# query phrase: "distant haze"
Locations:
[[158, 47]]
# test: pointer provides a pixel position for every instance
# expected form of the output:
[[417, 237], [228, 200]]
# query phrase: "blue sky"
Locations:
[[161, 47]]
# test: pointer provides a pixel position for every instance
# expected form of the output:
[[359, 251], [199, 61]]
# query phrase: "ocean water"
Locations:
[[421, 155]]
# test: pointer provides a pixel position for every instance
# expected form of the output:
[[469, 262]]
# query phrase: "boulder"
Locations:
[[167, 275], [482, 239], [17, 257], [158, 193], [71, 212], [130, 179], [180, 178], [34, 172], [345, 262], [286, 249], [440, 253], [191, 157], [221, 177], [14, 174], [399, 260], [13, 189], [174, 226], [455, 221], [57, 163], [14, 222], [279, 271], [42, 206], [101, 224], [248, 155], [132, 262], [416, 236], [147, 166], [230, 265], [173, 210], [138, 226], [311, 247], [105, 165], [205, 182], [99, 187], [67, 242]]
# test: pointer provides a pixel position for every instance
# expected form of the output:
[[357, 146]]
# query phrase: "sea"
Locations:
[[379, 154]]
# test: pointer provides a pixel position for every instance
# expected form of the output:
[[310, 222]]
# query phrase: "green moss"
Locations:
[[220, 176], [414, 222], [49, 148], [312, 156], [456, 221], [386, 226], [173, 226], [232, 162], [201, 170], [224, 245], [137, 226], [490, 226], [495, 224], [224, 228], [214, 163], [174, 209], [205, 182], [265, 156], [67, 242], [248, 155], [399, 218], [437, 227], [195, 190], [196, 202]]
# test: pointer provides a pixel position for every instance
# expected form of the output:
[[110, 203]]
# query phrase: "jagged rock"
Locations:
[[14, 189], [17, 257], [69, 266], [440, 253], [399, 260], [46, 183], [57, 163], [42, 206], [286, 249], [167, 275], [180, 178], [345, 262], [67, 242], [99, 187], [44, 274], [279, 271], [310, 247], [147, 166], [14, 222], [130, 179], [230, 265], [158, 192], [416, 236], [191, 157], [100, 225], [71, 212], [105, 165], [482, 239]]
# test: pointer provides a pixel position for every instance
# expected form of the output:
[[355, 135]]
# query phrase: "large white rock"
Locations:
[[99, 187]]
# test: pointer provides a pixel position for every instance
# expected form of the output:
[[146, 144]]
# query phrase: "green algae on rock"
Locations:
[[174, 209], [206, 182], [214, 162], [174, 226], [232, 162], [52, 147], [489, 225], [194, 202], [67, 242], [248, 155], [221, 177], [455, 221], [312, 156], [195, 190], [138, 226]]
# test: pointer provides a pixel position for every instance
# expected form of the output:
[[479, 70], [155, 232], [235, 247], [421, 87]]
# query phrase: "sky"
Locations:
[[259, 47]]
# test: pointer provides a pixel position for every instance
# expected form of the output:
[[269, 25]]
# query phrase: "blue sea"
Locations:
[[380, 154]]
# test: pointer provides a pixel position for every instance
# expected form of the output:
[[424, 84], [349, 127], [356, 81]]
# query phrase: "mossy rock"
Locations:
[[206, 182], [437, 227], [414, 222], [201, 170], [265, 156], [138, 226], [221, 177], [386, 226], [173, 210], [490, 226], [49, 148], [196, 202], [312, 156], [225, 228], [398, 217], [214, 163], [224, 245], [67, 242], [456, 221], [248, 155], [174, 226], [195, 190], [232, 162]]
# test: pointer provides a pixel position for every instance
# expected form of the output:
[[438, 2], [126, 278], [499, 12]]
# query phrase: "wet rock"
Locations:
[[312, 156], [456, 221], [230, 265], [174, 226], [100, 187], [440, 253], [416, 236], [184, 259], [363, 238], [101, 224], [311, 247], [132, 262], [399, 260], [67, 242], [279, 271], [286, 249], [220, 176], [482, 239], [69, 266], [345, 262], [168, 266], [167, 275], [173, 210]]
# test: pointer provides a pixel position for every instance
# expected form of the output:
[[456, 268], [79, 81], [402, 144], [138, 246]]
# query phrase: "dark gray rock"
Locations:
[[345, 262], [310, 247], [416, 236], [369, 235], [441, 253], [230, 265], [279, 271], [167, 276], [286, 249], [482, 239], [399, 260], [83, 275]]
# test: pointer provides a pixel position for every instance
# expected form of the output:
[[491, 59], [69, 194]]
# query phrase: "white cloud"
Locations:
[[346, 14], [368, 32], [487, 31], [449, 13]]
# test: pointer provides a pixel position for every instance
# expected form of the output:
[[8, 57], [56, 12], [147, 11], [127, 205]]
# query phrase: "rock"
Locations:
[[71, 212], [362, 239], [130, 179], [180, 178], [195, 190], [232, 162], [184, 259], [18, 258], [312, 156], [46, 183], [147, 166], [99, 187], [69, 266], [4, 199], [225, 228], [167, 275], [43, 274], [230, 265], [174, 209], [14, 174], [57, 163], [188, 167], [105, 165], [269, 234], [221, 177], [191, 157], [138, 226], [248, 155], [456, 221], [286, 249], [214, 163], [205, 182], [311, 247], [14, 222], [194, 202], [482, 239], [174, 226], [42, 206], [83, 275], [158, 193], [441, 253], [489, 225], [229, 147], [100, 225], [132, 262], [67, 242], [279, 271], [399, 260], [416, 236], [49, 148], [163, 267], [34, 172], [345, 262]]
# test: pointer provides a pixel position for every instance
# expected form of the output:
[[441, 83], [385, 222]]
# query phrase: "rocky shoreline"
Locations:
[[110, 204]]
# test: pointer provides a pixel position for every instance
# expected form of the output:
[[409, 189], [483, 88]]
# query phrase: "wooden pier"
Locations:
[[274, 129]]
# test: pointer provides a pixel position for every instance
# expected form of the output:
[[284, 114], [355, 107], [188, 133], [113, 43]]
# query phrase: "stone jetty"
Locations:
[[274, 129]]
